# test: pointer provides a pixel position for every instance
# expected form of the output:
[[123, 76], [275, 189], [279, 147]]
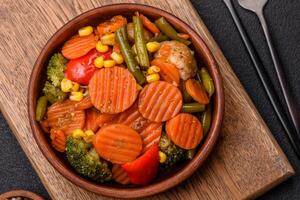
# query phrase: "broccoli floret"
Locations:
[[56, 68], [53, 93], [85, 160], [174, 153]]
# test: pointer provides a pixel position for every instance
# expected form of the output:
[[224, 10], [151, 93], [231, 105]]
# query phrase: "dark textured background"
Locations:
[[283, 17]]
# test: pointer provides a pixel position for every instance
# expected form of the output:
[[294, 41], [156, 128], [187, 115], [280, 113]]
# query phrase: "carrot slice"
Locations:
[[58, 139], [85, 103], [160, 101], [77, 46], [151, 135], [112, 90], [118, 143], [45, 126], [112, 25], [120, 175], [185, 131], [149, 25], [168, 71], [91, 120], [64, 116], [197, 91], [105, 119]]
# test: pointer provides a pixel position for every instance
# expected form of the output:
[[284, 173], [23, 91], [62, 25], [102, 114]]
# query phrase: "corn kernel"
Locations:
[[66, 85], [109, 63], [152, 77], [117, 57], [108, 39], [98, 62], [101, 47], [153, 46], [88, 135], [76, 96], [153, 69], [78, 133], [162, 157], [85, 31], [75, 87]]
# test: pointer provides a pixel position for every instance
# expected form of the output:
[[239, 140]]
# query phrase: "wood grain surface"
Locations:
[[247, 160]]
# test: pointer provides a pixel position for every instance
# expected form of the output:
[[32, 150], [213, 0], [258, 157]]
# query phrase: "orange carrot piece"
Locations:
[[197, 91], [151, 135], [105, 119], [112, 25], [64, 116], [118, 143], [116, 48], [45, 126], [165, 51], [185, 131], [149, 25], [183, 36], [85, 103], [168, 71], [77, 46], [58, 139], [113, 90], [120, 175], [91, 120], [160, 101]]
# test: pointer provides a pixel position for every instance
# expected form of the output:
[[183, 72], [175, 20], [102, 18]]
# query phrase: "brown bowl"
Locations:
[[20, 193], [163, 182]]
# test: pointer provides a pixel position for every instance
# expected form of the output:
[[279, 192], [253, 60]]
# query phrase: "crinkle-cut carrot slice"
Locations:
[[85, 103], [105, 119], [91, 120], [168, 71], [197, 91], [64, 116], [112, 25], [151, 135], [185, 130], [118, 143], [58, 139], [160, 101], [113, 90], [78, 46], [119, 175]]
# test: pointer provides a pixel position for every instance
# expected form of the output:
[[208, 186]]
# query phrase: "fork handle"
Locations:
[[290, 100]]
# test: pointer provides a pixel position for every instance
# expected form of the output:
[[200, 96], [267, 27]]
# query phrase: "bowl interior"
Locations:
[[163, 182]]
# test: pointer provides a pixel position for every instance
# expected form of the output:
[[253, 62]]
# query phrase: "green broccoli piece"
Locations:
[[53, 93], [85, 160], [56, 68], [174, 153]]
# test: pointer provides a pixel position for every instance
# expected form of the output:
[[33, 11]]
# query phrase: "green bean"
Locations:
[[133, 67], [167, 29], [206, 119], [130, 33], [41, 108], [193, 107], [159, 38], [190, 154], [207, 81], [140, 43]]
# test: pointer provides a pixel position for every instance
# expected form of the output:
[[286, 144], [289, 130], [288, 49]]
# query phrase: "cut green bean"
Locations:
[[193, 107], [140, 43], [167, 29], [190, 154], [159, 38], [206, 119], [41, 108], [207, 81], [132, 65]]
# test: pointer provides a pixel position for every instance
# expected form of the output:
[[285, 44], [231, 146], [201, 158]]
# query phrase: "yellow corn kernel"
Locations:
[[78, 133], [117, 57], [139, 87], [152, 77], [66, 85], [85, 31], [76, 96], [101, 47], [153, 46], [153, 69], [88, 135], [99, 62], [109, 63], [75, 87], [108, 39], [162, 157]]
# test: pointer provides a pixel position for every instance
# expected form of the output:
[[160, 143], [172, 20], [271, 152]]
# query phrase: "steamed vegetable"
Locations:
[[206, 119], [193, 107], [85, 160], [53, 93], [207, 81], [41, 108], [55, 69]]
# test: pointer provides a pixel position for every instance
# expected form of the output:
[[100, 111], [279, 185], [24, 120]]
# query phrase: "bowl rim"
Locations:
[[153, 188]]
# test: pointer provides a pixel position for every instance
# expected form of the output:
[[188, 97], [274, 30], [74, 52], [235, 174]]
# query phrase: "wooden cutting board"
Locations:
[[247, 160]]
